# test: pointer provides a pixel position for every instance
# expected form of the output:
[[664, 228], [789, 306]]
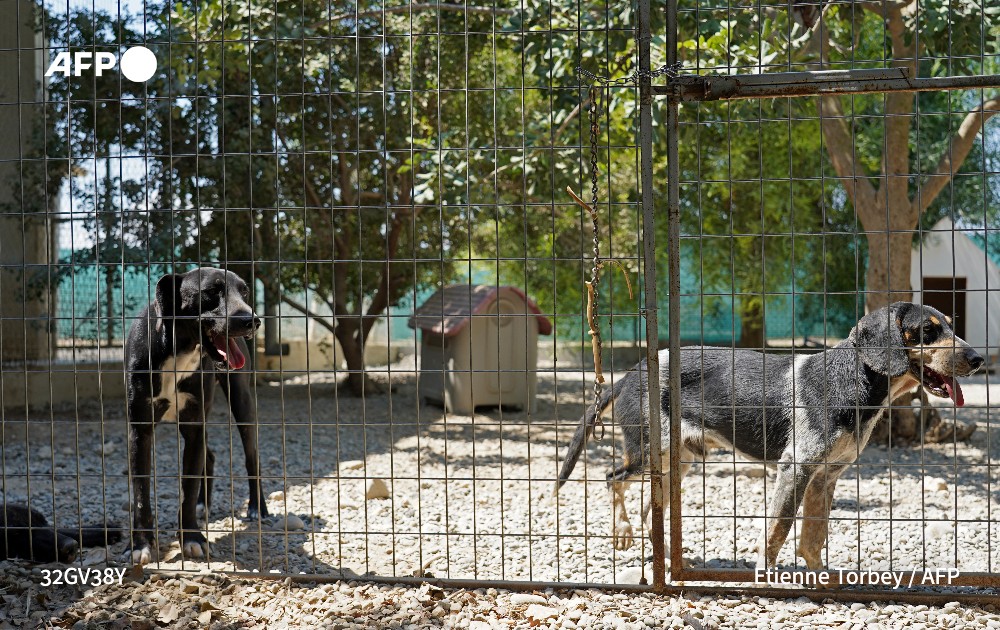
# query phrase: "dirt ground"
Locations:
[[468, 496]]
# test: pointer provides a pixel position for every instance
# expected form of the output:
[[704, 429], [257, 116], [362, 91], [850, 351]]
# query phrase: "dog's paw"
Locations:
[[68, 551], [140, 555], [254, 514], [195, 550], [814, 561], [623, 536], [195, 546]]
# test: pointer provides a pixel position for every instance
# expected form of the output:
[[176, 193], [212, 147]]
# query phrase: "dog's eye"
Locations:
[[928, 329]]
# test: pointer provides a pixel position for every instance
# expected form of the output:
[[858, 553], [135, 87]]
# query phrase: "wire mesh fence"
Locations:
[[873, 212], [386, 183], [352, 164]]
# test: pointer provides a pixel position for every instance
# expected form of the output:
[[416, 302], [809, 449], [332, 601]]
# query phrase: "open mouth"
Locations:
[[224, 351], [940, 384]]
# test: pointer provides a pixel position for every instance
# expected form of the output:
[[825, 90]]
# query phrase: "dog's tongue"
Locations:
[[230, 351], [954, 391]]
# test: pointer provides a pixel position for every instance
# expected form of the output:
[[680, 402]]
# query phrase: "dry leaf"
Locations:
[[169, 615], [208, 605]]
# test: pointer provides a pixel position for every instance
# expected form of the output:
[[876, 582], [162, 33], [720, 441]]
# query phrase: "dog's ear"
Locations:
[[879, 338], [168, 294]]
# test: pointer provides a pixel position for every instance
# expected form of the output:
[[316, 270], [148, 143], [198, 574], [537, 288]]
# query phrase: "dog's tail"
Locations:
[[585, 428]]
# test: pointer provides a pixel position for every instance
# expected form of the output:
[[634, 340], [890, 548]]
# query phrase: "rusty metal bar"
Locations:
[[972, 578], [815, 594], [691, 88], [649, 287], [674, 303]]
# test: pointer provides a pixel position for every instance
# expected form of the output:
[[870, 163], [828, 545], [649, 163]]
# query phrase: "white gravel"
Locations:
[[470, 497], [223, 603]]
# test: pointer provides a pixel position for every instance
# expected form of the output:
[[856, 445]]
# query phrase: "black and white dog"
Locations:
[[810, 416], [189, 337]]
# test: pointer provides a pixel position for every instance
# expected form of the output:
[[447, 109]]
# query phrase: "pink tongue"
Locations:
[[954, 391], [230, 351]]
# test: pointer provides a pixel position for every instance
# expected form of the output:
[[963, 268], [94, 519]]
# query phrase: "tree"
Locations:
[[722, 147], [890, 203], [880, 147], [309, 146], [329, 127]]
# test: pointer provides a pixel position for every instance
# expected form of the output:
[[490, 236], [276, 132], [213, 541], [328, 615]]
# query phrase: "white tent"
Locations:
[[952, 273]]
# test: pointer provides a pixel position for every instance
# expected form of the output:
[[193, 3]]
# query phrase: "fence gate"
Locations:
[[752, 108]]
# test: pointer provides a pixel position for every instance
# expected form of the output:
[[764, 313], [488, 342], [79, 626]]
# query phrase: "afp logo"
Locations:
[[138, 63]]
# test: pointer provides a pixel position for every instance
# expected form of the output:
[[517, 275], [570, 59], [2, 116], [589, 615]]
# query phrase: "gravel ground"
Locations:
[[213, 601], [470, 497]]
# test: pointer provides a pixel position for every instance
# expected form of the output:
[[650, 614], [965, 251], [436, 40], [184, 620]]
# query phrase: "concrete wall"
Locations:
[[26, 235], [321, 353], [41, 386]]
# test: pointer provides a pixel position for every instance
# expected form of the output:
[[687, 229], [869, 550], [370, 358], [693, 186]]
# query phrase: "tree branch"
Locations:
[[959, 146], [383, 296], [899, 107], [569, 118], [302, 308], [882, 7], [840, 147], [313, 196]]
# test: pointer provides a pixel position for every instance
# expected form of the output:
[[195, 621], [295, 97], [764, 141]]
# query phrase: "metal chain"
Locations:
[[595, 270], [597, 87], [670, 70]]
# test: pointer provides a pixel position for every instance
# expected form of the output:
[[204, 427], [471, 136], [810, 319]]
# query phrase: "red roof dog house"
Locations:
[[479, 347]]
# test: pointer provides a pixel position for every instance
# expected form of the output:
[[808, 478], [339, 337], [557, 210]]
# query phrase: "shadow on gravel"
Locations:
[[71, 463]]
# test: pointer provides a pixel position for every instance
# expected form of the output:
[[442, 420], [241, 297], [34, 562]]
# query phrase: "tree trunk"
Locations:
[[884, 205], [887, 279], [751, 324], [272, 340], [352, 343]]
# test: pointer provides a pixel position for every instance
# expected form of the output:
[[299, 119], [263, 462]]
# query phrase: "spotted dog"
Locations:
[[190, 337], [809, 416]]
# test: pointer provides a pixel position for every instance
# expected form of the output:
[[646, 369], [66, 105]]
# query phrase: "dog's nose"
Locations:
[[68, 550], [975, 360], [245, 322]]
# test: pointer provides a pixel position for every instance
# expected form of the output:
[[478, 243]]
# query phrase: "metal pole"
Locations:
[[784, 84], [649, 277], [674, 304]]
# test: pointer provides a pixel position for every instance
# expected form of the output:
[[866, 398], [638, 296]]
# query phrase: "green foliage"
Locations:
[[77, 137], [415, 148], [723, 147], [761, 219]]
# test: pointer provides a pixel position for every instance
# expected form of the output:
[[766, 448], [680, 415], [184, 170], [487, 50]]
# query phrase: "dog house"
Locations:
[[479, 347]]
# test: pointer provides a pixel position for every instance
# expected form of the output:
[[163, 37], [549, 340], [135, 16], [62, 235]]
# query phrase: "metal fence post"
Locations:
[[674, 304], [649, 277]]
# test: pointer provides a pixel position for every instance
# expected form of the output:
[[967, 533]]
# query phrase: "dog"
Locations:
[[24, 533], [189, 337], [809, 416]]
